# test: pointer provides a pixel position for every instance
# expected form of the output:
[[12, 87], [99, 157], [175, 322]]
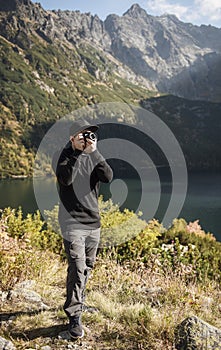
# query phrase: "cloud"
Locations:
[[164, 6], [209, 8], [198, 11]]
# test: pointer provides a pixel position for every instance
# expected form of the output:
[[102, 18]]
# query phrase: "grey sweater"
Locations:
[[78, 176]]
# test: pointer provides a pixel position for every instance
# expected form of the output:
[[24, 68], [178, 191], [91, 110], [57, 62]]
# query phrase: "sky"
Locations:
[[194, 11]]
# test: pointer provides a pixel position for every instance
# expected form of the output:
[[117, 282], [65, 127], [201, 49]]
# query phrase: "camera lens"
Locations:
[[92, 136], [89, 135]]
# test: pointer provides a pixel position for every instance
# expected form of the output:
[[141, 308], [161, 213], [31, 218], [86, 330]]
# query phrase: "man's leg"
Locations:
[[75, 251], [81, 248], [74, 244], [91, 246]]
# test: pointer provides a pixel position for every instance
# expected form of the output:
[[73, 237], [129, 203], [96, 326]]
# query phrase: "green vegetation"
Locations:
[[142, 287], [43, 82], [197, 127]]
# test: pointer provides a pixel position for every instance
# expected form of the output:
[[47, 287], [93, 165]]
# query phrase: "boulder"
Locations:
[[195, 334], [6, 344]]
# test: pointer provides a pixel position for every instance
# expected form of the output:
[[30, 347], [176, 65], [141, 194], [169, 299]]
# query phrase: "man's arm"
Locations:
[[64, 167], [102, 168]]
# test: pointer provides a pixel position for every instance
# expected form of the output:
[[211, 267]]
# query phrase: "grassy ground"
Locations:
[[137, 308]]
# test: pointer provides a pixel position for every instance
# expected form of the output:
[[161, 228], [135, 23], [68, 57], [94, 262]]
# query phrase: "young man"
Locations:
[[79, 170]]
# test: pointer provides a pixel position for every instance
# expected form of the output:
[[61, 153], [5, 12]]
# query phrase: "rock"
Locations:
[[3, 295], [154, 290], [6, 344], [22, 290], [152, 295], [193, 333], [27, 284], [65, 335], [28, 295], [12, 5]]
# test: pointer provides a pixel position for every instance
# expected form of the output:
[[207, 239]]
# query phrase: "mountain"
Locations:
[[53, 62], [196, 125], [161, 53], [176, 57]]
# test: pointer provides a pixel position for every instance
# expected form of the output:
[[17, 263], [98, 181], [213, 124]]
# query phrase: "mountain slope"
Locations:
[[53, 62], [196, 125], [171, 54], [158, 52], [42, 80]]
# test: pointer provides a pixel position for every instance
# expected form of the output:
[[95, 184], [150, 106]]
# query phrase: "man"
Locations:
[[79, 170]]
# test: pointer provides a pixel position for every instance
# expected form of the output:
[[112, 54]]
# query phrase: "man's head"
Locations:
[[81, 125], [82, 134]]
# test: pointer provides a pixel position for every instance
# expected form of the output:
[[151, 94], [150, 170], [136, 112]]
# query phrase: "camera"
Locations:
[[89, 135]]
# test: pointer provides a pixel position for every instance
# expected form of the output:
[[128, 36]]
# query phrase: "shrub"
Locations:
[[32, 229], [141, 246], [118, 226], [17, 260], [183, 248]]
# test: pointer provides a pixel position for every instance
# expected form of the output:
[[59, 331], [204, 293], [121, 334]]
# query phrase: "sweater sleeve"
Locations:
[[102, 168], [65, 169]]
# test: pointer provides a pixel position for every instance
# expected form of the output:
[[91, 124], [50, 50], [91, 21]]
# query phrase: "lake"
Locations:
[[203, 200]]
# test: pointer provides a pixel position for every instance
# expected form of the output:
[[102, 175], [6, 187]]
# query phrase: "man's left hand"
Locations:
[[91, 146]]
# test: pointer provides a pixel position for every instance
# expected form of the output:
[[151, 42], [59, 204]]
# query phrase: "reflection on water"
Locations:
[[203, 199]]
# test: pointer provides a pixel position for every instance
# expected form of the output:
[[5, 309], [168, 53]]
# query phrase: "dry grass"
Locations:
[[137, 308]]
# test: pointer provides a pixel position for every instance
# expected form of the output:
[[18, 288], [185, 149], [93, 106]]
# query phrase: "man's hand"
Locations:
[[91, 146]]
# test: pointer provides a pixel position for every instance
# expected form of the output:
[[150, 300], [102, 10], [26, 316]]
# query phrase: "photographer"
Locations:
[[79, 170]]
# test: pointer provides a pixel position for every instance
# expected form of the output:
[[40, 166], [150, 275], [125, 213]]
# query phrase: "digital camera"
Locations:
[[89, 135]]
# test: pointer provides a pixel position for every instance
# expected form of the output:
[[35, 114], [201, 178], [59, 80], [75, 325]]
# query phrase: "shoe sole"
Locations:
[[78, 337]]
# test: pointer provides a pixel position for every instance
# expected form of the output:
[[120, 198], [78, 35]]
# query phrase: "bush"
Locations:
[[17, 260], [118, 226], [141, 246], [188, 247], [183, 248], [32, 229]]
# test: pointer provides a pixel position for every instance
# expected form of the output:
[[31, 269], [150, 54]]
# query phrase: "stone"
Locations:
[[195, 334], [3, 295], [22, 290], [6, 344], [27, 284], [12, 5], [28, 295]]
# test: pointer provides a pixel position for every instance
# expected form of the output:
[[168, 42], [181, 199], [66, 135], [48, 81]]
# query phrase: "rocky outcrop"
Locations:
[[13, 5], [161, 53], [171, 54], [6, 344], [23, 292], [194, 333]]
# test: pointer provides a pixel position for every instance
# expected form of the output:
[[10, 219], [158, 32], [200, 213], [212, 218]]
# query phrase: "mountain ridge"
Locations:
[[54, 62], [154, 49]]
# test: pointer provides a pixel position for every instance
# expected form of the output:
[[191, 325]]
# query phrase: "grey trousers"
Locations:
[[81, 248]]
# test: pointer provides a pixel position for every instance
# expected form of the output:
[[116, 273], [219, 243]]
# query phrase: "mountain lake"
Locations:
[[202, 202]]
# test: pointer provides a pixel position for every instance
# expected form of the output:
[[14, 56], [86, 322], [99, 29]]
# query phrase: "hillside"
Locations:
[[161, 53], [54, 62], [197, 126], [137, 296], [42, 81]]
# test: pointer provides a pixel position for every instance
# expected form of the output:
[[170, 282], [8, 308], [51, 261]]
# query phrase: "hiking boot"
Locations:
[[75, 327]]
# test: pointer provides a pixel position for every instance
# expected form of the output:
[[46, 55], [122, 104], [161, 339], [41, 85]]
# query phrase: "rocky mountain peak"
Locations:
[[135, 11], [170, 17], [163, 52]]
